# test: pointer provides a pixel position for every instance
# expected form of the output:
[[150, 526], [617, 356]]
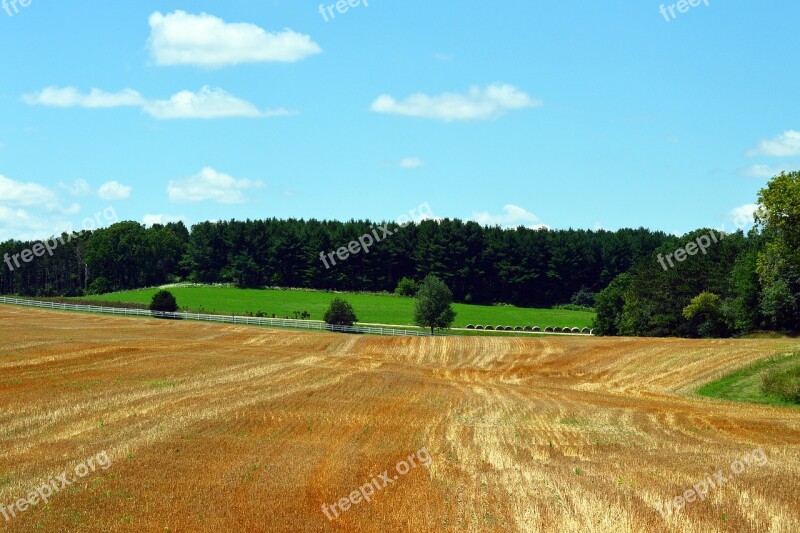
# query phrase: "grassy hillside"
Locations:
[[372, 308], [744, 385]]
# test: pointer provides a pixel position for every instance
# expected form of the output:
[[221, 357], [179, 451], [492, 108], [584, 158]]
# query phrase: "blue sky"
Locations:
[[564, 114]]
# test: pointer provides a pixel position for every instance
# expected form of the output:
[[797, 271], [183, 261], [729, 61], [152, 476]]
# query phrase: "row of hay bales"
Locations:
[[533, 329]]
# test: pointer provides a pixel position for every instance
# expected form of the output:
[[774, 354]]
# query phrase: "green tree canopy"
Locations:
[[407, 287], [164, 301], [706, 315], [778, 264], [433, 306], [340, 313]]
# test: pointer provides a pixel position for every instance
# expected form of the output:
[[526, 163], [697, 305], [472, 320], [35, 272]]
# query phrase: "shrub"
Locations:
[[707, 316], [407, 287], [340, 313], [99, 286], [573, 307], [164, 301], [783, 383], [583, 298]]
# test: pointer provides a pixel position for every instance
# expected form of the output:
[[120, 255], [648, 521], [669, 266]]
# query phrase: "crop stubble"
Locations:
[[214, 427]]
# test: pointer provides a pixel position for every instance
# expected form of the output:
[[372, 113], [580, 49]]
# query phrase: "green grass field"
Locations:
[[370, 308], [744, 385]]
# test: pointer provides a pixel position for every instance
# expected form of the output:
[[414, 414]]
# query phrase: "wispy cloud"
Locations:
[[763, 171], [181, 38], [512, 217], [742, 216], [207, 103], [18, 194], [210, 185], [163, 219], [476, 104], [33, 211], [411, 162], [785, 145], [78, 188], [114, 190], [71, 97]]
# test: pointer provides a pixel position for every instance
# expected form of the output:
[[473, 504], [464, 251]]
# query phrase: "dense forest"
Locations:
[[739, 283], [480, 264]]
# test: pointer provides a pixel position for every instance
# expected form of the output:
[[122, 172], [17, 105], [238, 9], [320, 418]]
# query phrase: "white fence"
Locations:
[[228, 319]]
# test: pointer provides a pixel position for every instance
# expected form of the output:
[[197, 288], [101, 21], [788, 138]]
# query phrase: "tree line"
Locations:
[[641, 282], [480, 264], [740, 284]]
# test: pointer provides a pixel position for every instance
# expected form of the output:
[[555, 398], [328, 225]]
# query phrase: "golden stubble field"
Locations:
[[223, 428]]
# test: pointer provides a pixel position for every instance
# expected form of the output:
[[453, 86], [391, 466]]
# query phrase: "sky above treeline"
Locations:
[[559, 114]]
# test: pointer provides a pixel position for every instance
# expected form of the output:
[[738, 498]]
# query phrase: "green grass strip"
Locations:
[[744, 385]]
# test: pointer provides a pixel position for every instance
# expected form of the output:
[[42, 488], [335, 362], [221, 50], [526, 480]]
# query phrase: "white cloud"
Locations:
[[71, 97], [78, 188], [30, 211], [763, 171], [742, 216], [114, 190], [476, 104], [513, 216], [411, 162], [16, 193], [785, 145], [181, 38], [19, 224], [163, 219], [210, 185], [207, 103]]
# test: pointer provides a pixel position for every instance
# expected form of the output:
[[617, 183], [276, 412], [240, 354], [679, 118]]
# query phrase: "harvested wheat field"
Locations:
[[218, 428]]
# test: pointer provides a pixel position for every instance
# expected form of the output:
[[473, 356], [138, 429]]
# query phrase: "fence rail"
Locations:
[[227, 319]]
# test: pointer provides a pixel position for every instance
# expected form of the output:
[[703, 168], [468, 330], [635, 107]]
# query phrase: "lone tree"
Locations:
[[164, 301], [340, 313], [432, 308]]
